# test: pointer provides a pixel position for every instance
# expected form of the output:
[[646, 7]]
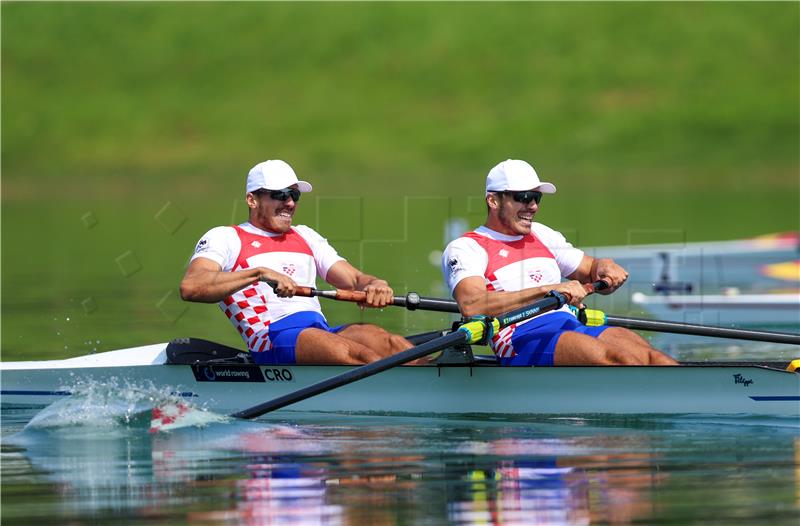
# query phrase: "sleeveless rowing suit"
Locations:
[[512, 263], [256, 311]]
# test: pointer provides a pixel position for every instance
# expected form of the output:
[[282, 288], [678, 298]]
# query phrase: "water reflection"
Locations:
[[571, 487], [340, 470], [234, 460]]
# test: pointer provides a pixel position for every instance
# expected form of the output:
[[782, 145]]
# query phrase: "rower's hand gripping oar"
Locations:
[[472, 331]]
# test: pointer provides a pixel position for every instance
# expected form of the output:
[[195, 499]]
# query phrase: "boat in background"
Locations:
[[752, 282], [754, 266], [221, 379], [724, 309]]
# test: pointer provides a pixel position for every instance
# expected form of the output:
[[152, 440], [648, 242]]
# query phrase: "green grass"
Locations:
[[662, 117]]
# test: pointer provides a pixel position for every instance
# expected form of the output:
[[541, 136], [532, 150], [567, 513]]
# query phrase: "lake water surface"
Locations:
[[94, 461], [84, 466]]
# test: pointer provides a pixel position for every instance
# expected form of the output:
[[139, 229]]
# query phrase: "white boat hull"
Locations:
[[444, 389]]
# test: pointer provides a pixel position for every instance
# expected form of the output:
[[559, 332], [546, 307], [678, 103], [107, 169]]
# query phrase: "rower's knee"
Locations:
[[398, 343], [617, 356], [659, 358], [378, 338]]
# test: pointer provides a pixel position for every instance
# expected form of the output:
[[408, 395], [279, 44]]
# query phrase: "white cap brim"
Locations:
[[303, 186], [545, 188]]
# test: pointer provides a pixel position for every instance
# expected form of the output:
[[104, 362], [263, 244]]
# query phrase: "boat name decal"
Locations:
[[739, 379], [278, 375], [227, 373]]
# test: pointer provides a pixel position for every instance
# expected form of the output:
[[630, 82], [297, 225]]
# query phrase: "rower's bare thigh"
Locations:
[[618, 336], [315, 346], [574, 348], [376, 338], [628, 343]]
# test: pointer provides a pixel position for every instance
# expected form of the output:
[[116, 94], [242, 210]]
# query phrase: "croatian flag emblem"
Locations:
[[535, 275], [289, 269]]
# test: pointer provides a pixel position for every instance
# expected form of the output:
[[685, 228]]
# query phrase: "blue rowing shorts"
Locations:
[[283, 336], [534, 342]]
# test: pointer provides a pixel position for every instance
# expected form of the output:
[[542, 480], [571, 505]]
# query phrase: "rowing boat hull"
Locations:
[[445, 389]]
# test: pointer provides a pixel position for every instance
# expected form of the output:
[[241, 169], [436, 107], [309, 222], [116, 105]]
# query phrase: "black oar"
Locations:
[[597, 317], [469, 332], [413, 301]]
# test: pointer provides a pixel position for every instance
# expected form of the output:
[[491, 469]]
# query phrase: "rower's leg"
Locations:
[[316, 346], [574, 348], [379, 340], [625, 341]]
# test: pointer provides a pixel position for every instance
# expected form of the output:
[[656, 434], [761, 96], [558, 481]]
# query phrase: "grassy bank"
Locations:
[[128, 129]]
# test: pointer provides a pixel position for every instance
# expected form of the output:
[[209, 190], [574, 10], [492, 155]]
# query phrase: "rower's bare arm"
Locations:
[[474, 299], [605, 269], [345, 276], [206, 282]]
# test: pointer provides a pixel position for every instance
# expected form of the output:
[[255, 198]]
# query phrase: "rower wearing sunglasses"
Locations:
[[512, 261], [231, 264]]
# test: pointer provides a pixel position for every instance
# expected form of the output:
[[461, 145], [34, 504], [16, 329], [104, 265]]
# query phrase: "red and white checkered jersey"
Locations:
[[510, 263], [300, 253]]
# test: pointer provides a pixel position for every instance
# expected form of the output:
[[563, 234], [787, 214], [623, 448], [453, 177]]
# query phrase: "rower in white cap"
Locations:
[[512, 261], [231, 264]]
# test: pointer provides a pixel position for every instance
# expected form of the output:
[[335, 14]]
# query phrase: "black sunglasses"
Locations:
[[281, 195], [525, 197]]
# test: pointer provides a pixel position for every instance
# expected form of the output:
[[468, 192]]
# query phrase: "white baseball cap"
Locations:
[[274, 175], [516, 175]]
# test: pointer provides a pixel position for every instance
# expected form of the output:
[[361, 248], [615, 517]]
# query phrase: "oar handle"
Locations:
[[596, 286]]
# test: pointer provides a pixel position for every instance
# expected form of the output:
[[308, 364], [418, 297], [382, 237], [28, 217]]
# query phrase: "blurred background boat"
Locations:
[[750, 282], [731, 308]]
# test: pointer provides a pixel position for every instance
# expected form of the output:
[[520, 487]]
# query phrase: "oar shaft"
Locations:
[[411, 301], [454, 338], [702, 330]]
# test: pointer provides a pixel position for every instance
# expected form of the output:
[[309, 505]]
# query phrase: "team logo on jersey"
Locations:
[[503, 253], [454, 264], [288, 268], [535, 275], [256, 244], [202, 246]]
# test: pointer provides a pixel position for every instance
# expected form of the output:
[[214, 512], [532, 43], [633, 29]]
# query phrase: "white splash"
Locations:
[[106, 404]]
